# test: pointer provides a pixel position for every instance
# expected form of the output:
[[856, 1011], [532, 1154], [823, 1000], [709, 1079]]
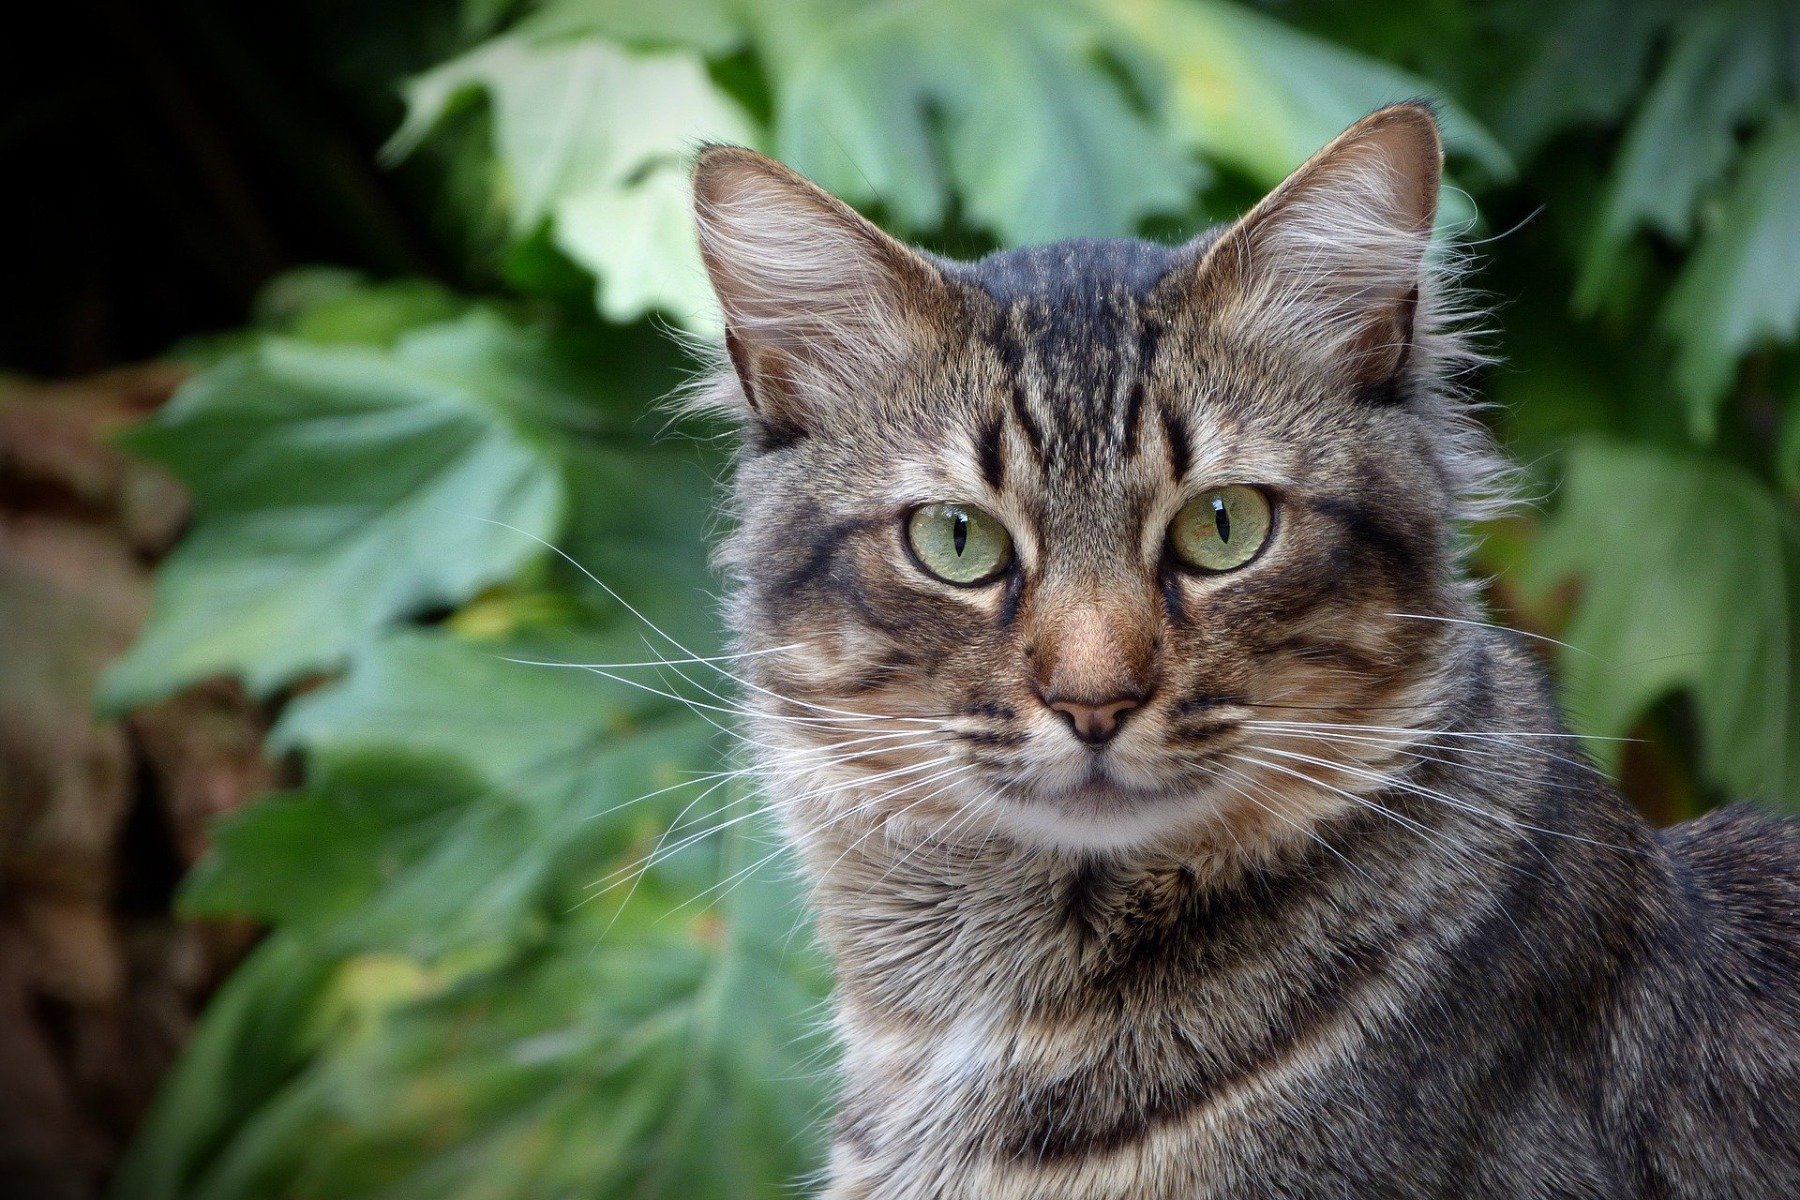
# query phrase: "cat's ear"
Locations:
[[817, 300], [1330, 262]]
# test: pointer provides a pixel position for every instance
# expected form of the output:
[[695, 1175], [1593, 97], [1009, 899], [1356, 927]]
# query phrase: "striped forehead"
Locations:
[[1074, 345], [1075, 348]]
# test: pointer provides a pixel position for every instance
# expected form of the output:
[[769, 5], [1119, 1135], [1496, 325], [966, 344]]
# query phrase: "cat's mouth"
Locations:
[[1099, 789], [1101, 812], [1125, 792], [1103, 791]]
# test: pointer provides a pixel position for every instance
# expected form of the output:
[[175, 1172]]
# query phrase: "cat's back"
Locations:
[[1711, 1048], [1738, 870]]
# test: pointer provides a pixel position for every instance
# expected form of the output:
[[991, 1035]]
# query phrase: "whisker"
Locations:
[[1247, 783], [724, 885], [1496, 735], [1328, 731], [648, 623], [1537, 637], [1432, 794], [663, 662], [662, 854], [1373, 805], [689, 701]]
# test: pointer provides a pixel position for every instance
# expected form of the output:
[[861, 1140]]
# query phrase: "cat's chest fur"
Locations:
[[1038, 1028]]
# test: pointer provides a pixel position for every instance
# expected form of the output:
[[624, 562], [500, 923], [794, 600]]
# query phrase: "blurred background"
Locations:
[[332, 337]]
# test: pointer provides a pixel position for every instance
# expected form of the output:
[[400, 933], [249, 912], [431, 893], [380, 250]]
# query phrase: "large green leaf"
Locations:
[[1000, 105], [1724, 68], [565, 749], [1690, 573], [580, 145], [338, 488], [647, 1049], [1590, 60], [1245, 89], [1741, 288], [667, 1052]]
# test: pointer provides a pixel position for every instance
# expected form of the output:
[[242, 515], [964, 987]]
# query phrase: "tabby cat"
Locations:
[[1176, 825]]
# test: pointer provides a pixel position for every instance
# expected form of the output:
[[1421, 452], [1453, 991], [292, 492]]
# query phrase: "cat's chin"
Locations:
[[1104, 816]]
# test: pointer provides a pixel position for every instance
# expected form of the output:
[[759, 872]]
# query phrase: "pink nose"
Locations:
[[1094, 723]]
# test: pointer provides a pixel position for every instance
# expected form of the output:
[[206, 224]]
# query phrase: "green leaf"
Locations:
[[1590, 62], [1741, 288], [1723, 69], [256, 1037], [337, 490], [1690, 573], [661, 1050], [578, 146], [309, 859], [529, 729], [709, 26], [332, 306], [564, 752], [1247, 90], [1003, 106]]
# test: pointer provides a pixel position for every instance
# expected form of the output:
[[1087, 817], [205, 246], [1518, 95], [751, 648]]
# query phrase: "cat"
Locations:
[[1176, 825]]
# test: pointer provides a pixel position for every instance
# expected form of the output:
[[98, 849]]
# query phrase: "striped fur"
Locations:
[[1341, 911]]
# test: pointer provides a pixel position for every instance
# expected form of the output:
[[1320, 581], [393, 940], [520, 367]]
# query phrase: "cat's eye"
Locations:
[[959, 544], [1221, 530]]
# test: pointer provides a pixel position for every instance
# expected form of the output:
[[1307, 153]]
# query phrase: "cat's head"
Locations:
[[1069, 543]]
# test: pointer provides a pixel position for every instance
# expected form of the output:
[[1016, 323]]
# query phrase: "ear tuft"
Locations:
[[1331, 260], [816, 298]]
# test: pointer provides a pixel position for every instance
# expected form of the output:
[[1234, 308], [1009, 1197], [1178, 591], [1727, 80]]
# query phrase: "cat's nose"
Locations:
[[1094, 723], [1092, 658]]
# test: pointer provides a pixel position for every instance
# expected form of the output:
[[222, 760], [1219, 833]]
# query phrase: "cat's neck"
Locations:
[[936, 931], [992, 999]]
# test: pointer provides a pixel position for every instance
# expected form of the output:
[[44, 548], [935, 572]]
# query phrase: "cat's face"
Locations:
[[1069, 544]]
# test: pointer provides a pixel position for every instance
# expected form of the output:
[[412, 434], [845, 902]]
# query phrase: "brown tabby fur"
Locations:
[[1341, 911]]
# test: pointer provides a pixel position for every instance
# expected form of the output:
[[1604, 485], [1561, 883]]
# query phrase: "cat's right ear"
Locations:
[[818, 302]]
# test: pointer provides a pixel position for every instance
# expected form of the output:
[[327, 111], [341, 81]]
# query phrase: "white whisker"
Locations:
[[1538, 637]]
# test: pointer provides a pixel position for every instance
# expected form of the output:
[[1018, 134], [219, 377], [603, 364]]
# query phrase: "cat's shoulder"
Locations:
[[1739, 839], [1742, 865]]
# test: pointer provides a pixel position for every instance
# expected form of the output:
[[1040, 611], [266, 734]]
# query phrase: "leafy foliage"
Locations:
[[1000, 105], [1741, 289], [1029, 121], [1663, 614], [342, 488], [530, 937], [1251, 92], [582, 151]]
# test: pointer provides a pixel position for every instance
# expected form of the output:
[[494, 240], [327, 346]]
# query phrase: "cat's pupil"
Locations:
[[959, 534], [1221, 519]]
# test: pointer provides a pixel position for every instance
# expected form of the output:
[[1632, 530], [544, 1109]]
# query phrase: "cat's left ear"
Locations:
[[1330, 262]]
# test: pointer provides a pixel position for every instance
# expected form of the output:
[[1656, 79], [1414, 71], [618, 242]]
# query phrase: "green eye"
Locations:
[[959, 544], [1223, 529]]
